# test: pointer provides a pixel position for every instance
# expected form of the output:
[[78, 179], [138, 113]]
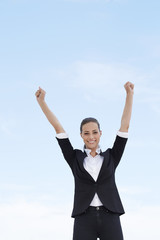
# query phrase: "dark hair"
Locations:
[[87, 120]]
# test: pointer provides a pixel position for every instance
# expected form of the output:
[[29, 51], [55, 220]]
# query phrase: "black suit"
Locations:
[[86, 186]]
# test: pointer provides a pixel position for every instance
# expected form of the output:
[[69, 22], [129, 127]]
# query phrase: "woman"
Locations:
[[97, 205]]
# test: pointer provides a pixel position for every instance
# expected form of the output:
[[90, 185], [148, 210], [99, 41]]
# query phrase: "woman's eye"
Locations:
[[85, 133], [95, 132]]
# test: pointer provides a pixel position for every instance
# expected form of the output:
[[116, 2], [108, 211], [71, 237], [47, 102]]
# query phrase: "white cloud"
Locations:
[[14, 187], [22, 220], [134, 190], [104, 80], [142, 223], [98, 75], [94, 78], [33, 220], [151, 44], [138, 143], [102, 76], [6, 126], [156, 108]]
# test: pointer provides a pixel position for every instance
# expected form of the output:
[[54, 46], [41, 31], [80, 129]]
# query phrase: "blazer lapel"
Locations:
[[105, 170], [81, 156]]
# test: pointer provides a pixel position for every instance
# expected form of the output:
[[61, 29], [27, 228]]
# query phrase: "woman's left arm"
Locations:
[[126, 116]]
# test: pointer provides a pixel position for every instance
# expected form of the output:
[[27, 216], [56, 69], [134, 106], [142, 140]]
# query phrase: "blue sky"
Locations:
[[82, 53]]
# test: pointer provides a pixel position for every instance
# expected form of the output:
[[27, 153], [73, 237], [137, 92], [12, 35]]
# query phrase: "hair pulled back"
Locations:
[[88, 120]]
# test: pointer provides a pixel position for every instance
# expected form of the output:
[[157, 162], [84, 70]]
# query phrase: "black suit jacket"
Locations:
[[86, 186]]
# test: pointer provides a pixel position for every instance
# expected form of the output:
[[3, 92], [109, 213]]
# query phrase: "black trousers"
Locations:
[[97, 222]]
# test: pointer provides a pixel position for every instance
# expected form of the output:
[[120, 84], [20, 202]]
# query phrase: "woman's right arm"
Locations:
[[40, 95]]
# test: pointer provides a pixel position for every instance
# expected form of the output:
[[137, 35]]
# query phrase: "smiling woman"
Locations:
[[91, 133], [97, 204]]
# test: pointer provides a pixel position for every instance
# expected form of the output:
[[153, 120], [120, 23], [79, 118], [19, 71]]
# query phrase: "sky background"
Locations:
[[81, 52]]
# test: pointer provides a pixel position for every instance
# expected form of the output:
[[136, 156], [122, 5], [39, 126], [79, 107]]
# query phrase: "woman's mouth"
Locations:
[[91, 142]]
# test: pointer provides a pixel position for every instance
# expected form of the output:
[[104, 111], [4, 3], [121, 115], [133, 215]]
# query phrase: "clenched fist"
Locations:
[[129, 87], [40, 94]]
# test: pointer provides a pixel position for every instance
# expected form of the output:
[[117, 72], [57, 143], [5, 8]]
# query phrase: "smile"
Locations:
[[91, 142]]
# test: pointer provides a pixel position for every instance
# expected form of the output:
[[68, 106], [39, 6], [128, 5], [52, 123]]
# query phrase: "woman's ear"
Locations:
[[100, 133]]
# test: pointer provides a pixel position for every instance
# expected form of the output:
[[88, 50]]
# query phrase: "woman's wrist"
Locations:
[[41, 101], [130, 93]]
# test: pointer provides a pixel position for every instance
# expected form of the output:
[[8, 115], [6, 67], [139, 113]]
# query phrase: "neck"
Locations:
[[93, 153]]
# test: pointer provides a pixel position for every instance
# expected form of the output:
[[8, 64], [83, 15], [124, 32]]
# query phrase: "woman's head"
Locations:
[[90, 132]]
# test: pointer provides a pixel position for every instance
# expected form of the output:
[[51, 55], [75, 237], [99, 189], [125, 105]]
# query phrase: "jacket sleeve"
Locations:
[[118, 149], [67, 150]]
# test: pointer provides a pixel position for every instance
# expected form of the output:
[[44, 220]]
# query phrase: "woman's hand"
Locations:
[[129, 87], [40, 94]]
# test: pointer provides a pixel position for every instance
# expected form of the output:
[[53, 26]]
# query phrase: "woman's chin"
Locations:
[[91, 146]]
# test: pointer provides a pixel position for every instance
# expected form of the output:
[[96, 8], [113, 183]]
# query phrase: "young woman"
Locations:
[[97, 205]]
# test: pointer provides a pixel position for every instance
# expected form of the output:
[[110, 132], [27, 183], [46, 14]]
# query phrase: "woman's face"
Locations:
[[91, 135]]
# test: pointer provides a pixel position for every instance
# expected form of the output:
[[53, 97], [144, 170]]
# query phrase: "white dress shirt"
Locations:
[[93, 164]]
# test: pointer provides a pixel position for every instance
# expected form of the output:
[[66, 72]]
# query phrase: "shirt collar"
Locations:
[[88, 151]]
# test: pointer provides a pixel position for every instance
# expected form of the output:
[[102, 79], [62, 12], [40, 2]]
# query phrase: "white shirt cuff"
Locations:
[[62, 135], [122, 134]]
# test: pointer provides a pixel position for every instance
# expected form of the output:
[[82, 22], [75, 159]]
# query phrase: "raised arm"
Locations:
[[40, 95], [126, 116]]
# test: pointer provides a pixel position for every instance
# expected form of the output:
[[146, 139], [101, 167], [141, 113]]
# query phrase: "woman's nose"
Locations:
[[91, 136]]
